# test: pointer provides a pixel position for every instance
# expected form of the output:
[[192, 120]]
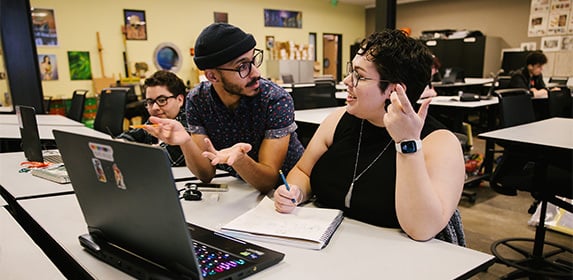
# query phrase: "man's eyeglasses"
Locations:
[[244, 69], [355, 77], [161, 101]]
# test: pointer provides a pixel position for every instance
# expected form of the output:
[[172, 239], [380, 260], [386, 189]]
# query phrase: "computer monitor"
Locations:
[[513, 60]]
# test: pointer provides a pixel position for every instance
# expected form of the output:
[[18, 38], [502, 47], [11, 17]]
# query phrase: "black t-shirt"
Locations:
[[373, 197]]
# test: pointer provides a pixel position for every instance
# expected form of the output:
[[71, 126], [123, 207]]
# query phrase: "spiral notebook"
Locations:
[[305, 227]]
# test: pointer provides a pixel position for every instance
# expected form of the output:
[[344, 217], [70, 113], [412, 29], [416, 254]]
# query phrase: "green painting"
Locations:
[[80, 65]]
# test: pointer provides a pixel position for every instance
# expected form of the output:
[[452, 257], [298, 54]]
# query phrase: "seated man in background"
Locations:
[[164, 98], [530, 76], [238, 121]]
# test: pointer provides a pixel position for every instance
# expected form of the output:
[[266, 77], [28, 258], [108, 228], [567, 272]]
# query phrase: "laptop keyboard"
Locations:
[[53, 158], [213, 261]]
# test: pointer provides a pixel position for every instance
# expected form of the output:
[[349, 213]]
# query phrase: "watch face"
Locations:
[[408, 147]]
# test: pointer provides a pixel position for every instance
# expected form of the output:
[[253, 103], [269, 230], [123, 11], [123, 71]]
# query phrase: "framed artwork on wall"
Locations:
[[48, 67], [44, 27], [280, 18], [135, 25], [80, 65], [221, 17]]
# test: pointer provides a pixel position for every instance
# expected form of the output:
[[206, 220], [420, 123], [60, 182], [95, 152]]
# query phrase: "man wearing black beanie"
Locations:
[[238, 121]]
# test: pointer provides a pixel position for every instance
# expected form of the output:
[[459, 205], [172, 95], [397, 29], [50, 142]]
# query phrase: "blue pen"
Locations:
[[286, 184]]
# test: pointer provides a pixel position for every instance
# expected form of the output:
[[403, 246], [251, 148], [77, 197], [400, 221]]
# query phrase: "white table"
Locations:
[[24, 185], [313, 116], [554, 132], [20, 257], [48, 120], [454, 101], [467, 82], [356, 249], [3, 202], [11, 131]]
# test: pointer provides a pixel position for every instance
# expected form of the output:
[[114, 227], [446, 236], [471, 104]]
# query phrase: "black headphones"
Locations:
[[191, 194]]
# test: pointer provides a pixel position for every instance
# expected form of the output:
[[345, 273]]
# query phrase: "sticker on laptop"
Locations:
[[118, 177], [101, 151], [99, 170]]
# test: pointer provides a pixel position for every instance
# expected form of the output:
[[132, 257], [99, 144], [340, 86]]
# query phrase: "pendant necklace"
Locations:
[[354, 177]]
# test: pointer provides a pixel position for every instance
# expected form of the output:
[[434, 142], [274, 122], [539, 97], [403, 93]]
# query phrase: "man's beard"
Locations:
[[236, 89]]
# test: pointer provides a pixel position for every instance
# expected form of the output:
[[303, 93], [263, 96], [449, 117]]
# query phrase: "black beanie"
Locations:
[[220, 43]]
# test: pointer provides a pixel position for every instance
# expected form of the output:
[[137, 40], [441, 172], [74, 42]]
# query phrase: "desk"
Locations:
[[20, 257], [352, 245], [25, 185], [47, 120], [468, 82], [12, 131], [6, 109], [313, 116], [549, 133], [548, 142]]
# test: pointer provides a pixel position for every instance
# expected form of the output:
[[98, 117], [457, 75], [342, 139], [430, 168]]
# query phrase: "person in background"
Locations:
[[385, 165], [530, 76], [164, 98], [238, 121]]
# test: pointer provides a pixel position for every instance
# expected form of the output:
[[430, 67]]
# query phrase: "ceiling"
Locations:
[[372, 3]]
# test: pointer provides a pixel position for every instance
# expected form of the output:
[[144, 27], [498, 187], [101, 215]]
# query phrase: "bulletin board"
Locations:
[[550, 17]]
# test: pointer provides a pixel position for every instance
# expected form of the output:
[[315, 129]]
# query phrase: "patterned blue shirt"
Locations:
[[267, 115]]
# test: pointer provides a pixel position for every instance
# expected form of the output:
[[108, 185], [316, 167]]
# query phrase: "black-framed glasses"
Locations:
[[355, 77], [244, 69], [161, 101]]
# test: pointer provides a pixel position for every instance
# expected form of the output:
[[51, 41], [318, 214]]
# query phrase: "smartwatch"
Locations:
[[409, 146]]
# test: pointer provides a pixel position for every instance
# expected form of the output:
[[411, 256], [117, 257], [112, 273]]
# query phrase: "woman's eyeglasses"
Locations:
[[355, 77], [161, 101], [244, 69]]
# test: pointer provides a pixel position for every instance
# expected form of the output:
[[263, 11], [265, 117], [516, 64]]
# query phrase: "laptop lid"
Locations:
[[29, 133], [128, 198]]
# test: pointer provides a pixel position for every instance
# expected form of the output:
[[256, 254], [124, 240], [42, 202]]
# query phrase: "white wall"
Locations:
[[179, 22]]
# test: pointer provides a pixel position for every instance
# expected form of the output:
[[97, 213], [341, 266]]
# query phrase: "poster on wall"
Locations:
[[44, 27], [558, 14], [550, 17], [280, 18], [551, 44], [80, 65], [48, 67], [135, 25]]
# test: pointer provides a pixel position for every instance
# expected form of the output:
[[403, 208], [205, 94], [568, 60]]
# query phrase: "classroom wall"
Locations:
[[507, 19], [179, 22]]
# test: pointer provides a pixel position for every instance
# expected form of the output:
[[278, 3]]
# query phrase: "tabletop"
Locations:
[[19, 253], [553, 132], [454, 101], [467, 82], [313, 116], [48, 120], [365, 250], [11, 131]]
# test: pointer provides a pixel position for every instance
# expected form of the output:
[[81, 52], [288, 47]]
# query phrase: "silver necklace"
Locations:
[[354, 177]]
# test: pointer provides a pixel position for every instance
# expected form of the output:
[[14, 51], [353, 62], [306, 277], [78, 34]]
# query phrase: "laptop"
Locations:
[[31, 143], [135, 222]]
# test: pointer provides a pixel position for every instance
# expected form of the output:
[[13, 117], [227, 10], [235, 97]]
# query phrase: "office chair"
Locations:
[[111, 111], [560, 103], [503, 82], [76, 111]]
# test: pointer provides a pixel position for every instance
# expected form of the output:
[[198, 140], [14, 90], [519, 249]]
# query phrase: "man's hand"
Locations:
[[226, 156]]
